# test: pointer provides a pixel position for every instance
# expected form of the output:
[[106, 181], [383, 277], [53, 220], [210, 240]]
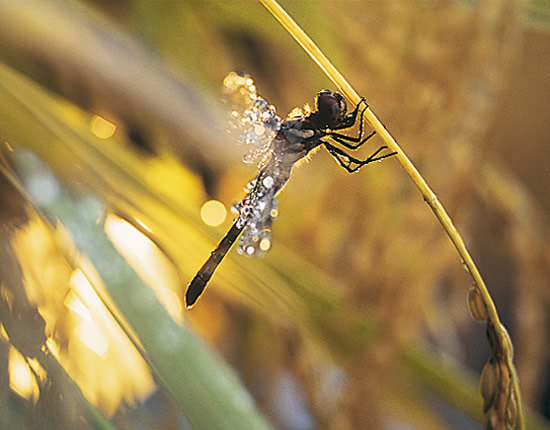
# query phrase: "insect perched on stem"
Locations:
[[276, 145]]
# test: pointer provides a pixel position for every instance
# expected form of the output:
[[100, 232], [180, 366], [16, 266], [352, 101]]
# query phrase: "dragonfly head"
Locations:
[[331, 108]]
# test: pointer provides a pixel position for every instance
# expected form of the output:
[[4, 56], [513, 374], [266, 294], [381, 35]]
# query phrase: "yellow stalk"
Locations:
[[429, 196]]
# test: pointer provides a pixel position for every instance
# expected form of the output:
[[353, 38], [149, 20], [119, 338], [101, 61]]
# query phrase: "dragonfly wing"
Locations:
[[252, 117]]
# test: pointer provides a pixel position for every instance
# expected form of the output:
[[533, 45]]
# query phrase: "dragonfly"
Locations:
[[276, 145]]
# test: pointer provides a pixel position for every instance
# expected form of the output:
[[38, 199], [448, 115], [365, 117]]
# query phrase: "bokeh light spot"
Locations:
[[22, 380], [101, 127], [265, 244], [213, 213], [149, 262]]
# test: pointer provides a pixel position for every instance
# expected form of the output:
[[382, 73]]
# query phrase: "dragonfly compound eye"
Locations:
[[331, 107]]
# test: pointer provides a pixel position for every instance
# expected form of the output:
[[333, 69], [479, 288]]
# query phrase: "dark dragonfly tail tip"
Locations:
[[194, 291], [200, 281]]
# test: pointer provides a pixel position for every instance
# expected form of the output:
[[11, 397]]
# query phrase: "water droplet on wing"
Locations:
[[259, 129], [265, 244], [268, 182]]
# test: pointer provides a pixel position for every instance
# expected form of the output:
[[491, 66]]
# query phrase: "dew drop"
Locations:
[[266, 116], [248, 158], [259, 130], [268, 182], [261, 104], [265, 244]]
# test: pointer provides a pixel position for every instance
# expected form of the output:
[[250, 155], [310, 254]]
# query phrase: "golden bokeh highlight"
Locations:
[[149, 262], [101, 127], [265, 244], [23, 373], [81, 333], [213, 213], [80, 299]]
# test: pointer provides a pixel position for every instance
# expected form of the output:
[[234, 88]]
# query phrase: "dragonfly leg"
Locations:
[[346, 140], [348, 122], [347, 161]]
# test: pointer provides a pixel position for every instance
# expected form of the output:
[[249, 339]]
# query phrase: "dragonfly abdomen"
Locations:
[[198, 284]]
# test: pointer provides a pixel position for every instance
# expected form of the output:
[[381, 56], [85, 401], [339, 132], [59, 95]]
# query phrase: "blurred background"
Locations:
[[112, 139]]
